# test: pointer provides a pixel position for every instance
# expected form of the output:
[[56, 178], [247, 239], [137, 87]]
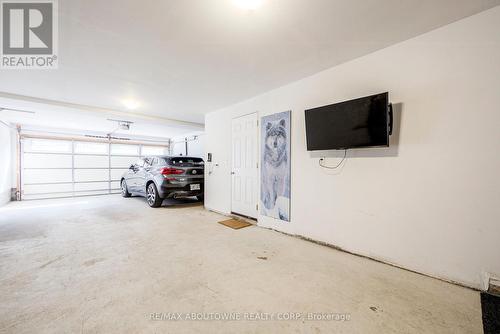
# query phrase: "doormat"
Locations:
[[490, 305], [235, 224]]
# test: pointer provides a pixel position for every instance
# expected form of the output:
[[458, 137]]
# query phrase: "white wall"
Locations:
[[5, 164], [430, 202]]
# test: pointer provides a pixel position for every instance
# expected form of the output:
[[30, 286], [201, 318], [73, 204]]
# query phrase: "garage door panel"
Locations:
[[91, 161], [36, 160], [46, 176], [47, 188], [116, 174], [123, 149], [123, 162], [115, 185], [91, 148], [93, 193], [46, 196], [154, 150], [47, 145], [91, 186], [84, 175]]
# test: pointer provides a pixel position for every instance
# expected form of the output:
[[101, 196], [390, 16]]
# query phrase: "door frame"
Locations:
[[257, 159]]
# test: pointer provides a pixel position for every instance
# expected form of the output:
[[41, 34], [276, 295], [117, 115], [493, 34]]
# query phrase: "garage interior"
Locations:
[[398, 237]]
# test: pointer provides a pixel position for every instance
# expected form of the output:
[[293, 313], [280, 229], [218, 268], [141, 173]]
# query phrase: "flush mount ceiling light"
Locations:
[[248, 4], [131, 104]]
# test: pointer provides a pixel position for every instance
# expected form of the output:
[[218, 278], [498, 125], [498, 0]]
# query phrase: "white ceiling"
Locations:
[[91, 121], [183, 58]]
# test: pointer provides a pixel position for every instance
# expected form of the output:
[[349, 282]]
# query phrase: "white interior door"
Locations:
[[244, 178]]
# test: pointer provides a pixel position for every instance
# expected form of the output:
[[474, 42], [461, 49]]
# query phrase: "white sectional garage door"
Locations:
[[67, 168]]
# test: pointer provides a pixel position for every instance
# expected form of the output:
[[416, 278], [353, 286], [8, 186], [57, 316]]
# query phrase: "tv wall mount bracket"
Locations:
[[391, 119]]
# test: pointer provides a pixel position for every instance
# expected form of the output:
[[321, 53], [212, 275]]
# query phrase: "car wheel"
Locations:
[[124, 188], [152, 196], [200, 198]]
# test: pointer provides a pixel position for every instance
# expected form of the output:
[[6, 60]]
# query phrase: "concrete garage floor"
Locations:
[[105, 264]]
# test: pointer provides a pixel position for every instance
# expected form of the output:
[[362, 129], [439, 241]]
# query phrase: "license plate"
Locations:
[[194, 186]]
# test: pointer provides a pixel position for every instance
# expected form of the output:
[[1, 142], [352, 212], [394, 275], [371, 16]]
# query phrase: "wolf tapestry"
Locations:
[[275, 166]]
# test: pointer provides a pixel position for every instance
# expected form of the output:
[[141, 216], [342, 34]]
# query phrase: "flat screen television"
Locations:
[[362, 122]]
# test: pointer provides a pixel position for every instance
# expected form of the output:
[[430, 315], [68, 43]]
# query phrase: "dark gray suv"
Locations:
[[160, 177]]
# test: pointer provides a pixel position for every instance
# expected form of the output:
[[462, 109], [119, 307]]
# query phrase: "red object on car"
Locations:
[[171, 171]]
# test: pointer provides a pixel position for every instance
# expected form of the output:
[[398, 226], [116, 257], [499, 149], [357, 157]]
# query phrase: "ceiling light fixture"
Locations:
[[248, 4], [131, 104]]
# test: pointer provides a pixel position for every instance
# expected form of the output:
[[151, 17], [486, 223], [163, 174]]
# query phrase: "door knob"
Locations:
[[232, 173]]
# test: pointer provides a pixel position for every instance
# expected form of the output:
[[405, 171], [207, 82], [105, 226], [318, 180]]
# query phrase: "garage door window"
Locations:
[[45, 145], [91, 148], [154, 150], [118, 149]]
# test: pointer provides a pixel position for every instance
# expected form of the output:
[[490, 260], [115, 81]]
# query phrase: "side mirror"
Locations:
[[132, 167]]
